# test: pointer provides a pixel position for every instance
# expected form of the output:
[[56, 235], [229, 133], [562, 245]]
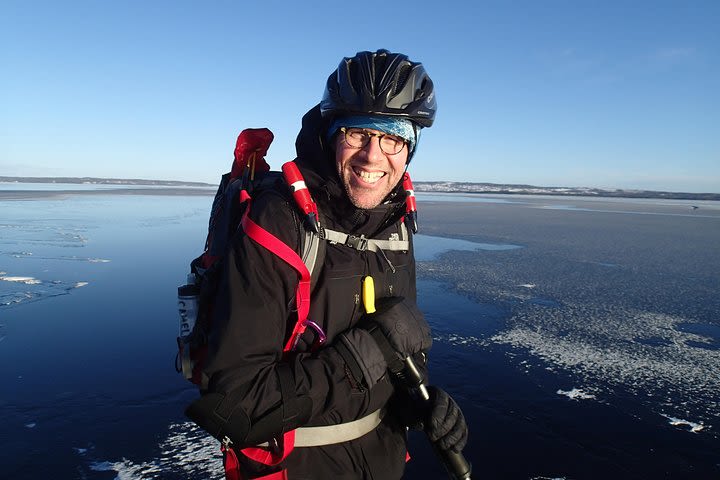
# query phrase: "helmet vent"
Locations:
[[402, 78], [380, 83]]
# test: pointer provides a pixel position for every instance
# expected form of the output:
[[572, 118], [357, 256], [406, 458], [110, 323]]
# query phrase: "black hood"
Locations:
[[314, 155], [316, 160]]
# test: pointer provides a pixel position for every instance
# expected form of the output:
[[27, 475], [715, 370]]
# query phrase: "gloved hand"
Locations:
[[403, 330], [384, 339], [445, 424]]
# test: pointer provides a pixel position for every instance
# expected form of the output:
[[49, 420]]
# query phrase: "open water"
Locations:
[[580, 336]]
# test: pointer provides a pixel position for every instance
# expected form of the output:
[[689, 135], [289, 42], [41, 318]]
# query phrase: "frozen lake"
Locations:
[[581, 336]]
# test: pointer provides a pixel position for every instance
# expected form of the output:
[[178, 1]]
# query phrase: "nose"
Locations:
[[373, 151]]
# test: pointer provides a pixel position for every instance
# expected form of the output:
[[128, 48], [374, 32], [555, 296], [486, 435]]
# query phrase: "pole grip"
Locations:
[[454, 462]]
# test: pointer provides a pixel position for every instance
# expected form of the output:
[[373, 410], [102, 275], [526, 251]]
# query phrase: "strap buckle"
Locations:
[[358, 243]]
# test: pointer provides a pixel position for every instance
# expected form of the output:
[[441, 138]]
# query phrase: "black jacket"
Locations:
[[254, 316]]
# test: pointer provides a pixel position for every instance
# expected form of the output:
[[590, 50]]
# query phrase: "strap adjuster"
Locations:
[[358, 243]]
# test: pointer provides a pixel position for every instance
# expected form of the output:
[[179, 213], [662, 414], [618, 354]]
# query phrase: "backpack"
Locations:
[[250, 174]]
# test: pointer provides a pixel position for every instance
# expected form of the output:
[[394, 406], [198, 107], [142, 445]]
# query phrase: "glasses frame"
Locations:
[[379, 136]]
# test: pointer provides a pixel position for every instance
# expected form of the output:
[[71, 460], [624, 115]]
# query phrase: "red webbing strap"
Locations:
[[302, 302], [232, 465], [232, 468], [268, 457], [290, 256]]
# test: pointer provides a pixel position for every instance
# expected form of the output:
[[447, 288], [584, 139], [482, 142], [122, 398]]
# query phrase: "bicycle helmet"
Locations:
[[380, 83]]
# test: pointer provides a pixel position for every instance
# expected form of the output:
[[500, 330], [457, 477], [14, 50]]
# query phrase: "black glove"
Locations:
[[385, 339], [363, 358], [445, 424], [400, 330]]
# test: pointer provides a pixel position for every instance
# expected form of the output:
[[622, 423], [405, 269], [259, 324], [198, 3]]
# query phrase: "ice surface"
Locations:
[[35, 290], [602, 350], [691, 213], [624, 305], [694, 427], [185, 451], [520, 294], [25, 280], [429, 247], [577, 394]]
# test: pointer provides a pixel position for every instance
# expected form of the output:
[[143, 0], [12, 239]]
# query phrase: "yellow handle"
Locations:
[[368, 294]]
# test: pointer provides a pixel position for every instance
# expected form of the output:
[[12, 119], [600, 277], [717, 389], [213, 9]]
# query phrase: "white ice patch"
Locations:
[[25, 280], [30, 425], [576, 394], [603, 351], [73, 258], [528, 285], [20, 254], [460, 340], [37, 290], [678, 422], [186, 452]]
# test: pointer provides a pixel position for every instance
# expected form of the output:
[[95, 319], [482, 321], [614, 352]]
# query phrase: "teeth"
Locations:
[[370, 177]]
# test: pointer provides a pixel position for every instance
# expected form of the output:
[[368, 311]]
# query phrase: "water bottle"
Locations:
[[188, 299], [188, 296]]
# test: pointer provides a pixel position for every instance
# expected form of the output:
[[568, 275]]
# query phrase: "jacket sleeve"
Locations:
[[253, 315]]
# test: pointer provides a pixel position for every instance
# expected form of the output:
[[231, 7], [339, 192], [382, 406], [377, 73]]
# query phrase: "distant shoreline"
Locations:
[[175, 187], [45, 194], [509, 189], [103, 181]]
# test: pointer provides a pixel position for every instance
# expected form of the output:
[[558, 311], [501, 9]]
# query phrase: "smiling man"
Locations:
[[334, 389]]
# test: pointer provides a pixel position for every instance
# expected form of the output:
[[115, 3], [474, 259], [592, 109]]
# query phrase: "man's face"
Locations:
[[368, 173]]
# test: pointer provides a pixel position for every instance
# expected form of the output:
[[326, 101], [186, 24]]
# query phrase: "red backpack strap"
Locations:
[[289, 256], [232, 465], [272, 457], [302, 302]]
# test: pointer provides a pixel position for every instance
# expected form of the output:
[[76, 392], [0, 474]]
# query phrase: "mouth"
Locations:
[[368, 177]]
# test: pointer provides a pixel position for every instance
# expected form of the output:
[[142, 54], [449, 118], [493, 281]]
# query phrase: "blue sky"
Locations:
[[555, 93]]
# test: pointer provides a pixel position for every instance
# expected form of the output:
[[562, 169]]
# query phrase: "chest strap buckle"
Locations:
[[358, 243]]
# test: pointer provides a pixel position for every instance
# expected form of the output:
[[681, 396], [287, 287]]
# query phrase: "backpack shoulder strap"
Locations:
[[313, 254], [291, 257]]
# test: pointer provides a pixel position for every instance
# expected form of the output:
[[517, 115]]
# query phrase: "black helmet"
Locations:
[[381, 83]]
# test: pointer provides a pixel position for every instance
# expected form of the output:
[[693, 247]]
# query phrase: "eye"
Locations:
[[392, 141], [357, 134]]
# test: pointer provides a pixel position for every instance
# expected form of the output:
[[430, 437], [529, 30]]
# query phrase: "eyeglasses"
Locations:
[[359, 138]]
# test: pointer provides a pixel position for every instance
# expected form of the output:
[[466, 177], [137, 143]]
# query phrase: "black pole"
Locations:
[[454, 462]]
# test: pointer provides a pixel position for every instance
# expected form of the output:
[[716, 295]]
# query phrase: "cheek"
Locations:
[[339, 162], [342, 157], [398, 161]]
